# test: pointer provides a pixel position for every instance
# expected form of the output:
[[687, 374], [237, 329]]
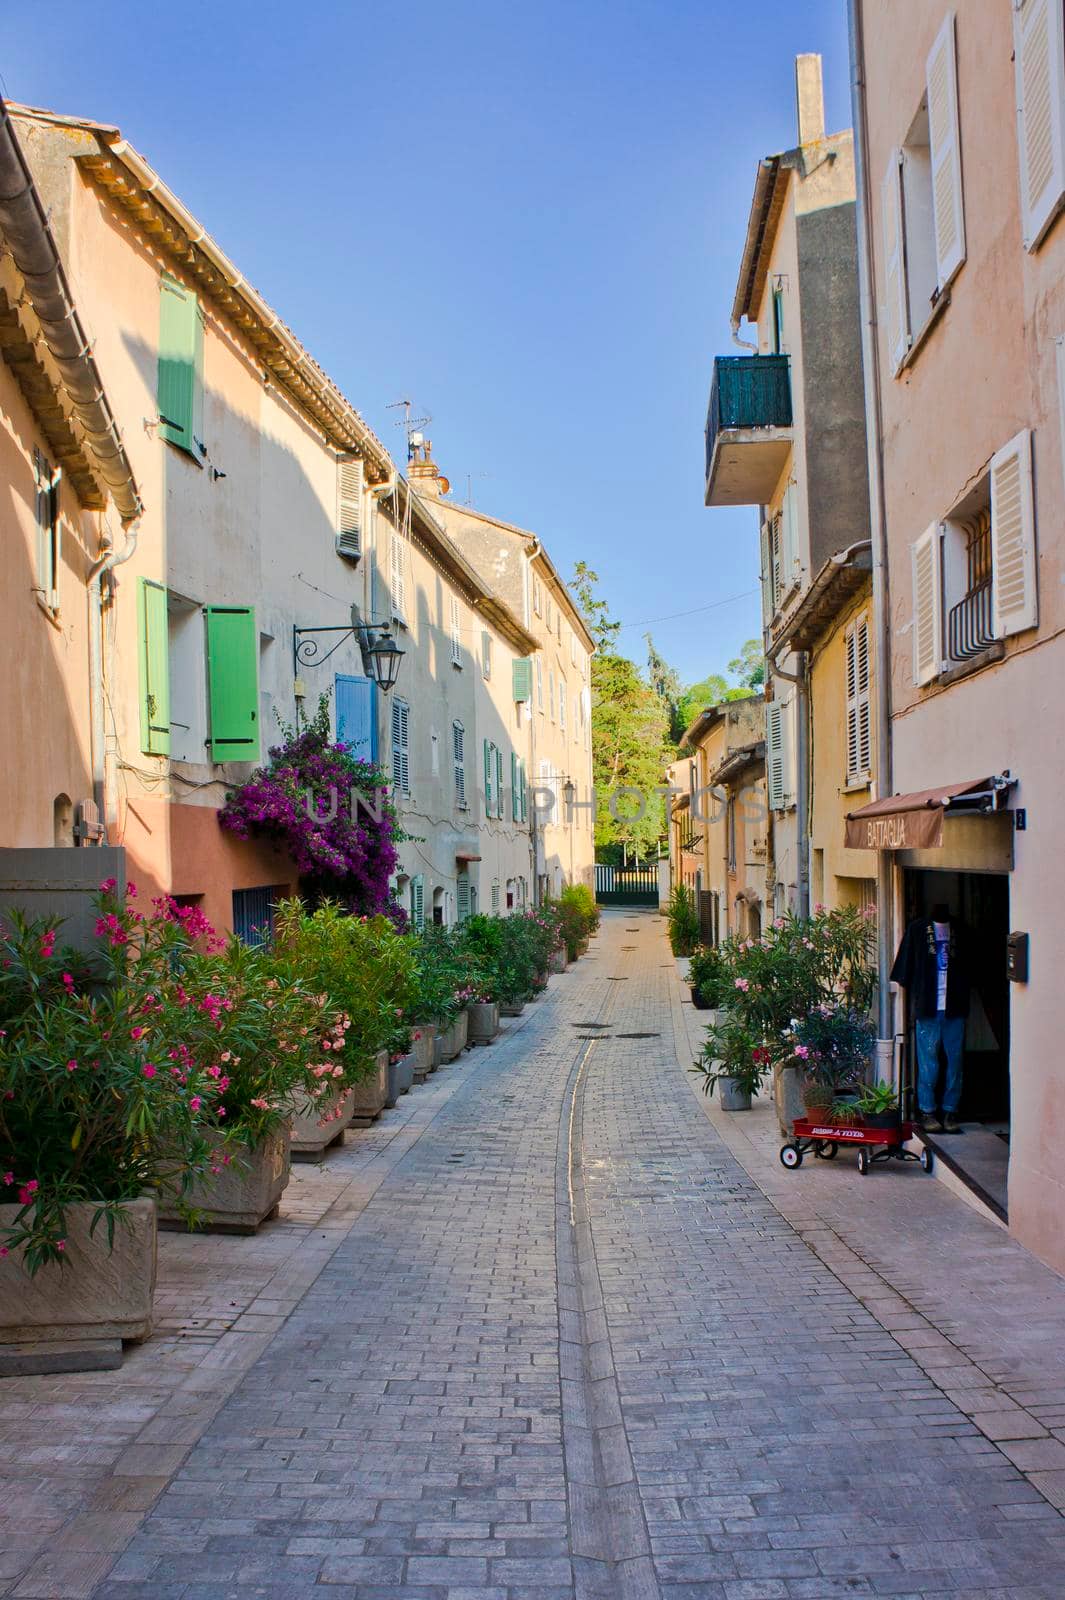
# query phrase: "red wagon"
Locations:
[[873, 1144]]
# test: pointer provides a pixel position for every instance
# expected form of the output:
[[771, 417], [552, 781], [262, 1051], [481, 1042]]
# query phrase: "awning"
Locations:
[[466, 855], [915, 821]]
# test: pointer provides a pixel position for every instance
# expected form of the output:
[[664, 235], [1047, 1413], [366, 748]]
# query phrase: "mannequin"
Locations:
[[932, 965]]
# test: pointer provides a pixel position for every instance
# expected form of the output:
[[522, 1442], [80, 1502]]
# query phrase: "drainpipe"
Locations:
[[94, 582], [874, 436], [741, 344]]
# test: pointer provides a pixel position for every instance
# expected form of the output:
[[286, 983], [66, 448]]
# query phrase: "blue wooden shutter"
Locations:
[[356, 707], [233, 682], [179, 393]]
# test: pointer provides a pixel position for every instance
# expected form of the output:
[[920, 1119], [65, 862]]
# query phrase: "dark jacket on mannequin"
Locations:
[[916, 969]]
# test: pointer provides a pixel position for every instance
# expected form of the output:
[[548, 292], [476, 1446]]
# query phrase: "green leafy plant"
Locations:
[[683, 921], [877, 1099], [708, 975], [578, 917], [732, 1050], [831, 1045]]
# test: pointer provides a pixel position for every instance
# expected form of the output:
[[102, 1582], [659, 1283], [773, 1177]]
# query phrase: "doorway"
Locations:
[[979, 903]]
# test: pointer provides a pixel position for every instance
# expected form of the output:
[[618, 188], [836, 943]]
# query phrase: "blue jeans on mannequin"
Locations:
[[931, 1033]]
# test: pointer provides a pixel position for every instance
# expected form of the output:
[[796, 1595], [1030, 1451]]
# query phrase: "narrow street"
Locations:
[[551, 1339]]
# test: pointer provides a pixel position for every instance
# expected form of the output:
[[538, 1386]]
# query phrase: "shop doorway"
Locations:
[[979, 901]]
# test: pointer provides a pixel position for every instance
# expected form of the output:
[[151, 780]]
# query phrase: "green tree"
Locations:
[[748, 668], [666, 684], [630, 734]]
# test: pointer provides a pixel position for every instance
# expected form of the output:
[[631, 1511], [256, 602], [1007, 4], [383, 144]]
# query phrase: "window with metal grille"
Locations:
[[969, 624], [253, 913]]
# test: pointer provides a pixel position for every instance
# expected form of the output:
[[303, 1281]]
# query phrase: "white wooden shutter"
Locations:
[[789, 559], [349, 509], [539, 681], [1014, 603], [944, 138], [401, 746], [458, 751], [767, 573], [456, 632], [927, 605], [398, 579], [774, 755], [1039, 73], [897, 312]]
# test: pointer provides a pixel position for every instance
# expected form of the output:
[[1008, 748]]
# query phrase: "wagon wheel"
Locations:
[[926, 1158], [827, 1149], [790, 1156], [863, 1162]]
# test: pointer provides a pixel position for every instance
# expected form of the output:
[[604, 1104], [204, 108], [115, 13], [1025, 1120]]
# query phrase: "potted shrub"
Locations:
[[708, 978], [578, 918], [440, 972], [103, 1077], [364, 965], [683, 921], [830, 1047], [732, 1060], [878, 1106]]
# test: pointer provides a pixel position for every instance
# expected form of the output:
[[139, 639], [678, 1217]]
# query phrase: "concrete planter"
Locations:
[[453, 1039], [787, 1097], [97, 1294], [512, 1011], [438, 1049], [422, 1050], [733, 1098], [484, 1021], [314, 1131], [242, 1195], [558, 961], [582, 948], [370, 1094], [400, 1079]]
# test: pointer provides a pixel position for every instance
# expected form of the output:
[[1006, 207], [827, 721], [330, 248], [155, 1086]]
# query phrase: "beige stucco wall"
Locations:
[[985, 370], [836, 871]]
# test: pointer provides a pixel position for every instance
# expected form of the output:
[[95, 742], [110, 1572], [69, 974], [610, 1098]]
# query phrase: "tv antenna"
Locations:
[[469, 485], [412, 426]]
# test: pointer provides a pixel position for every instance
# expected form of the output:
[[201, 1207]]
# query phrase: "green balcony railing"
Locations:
[[747, 392]]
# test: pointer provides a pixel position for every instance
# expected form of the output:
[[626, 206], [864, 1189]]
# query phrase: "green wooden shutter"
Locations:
[[180, 381], [153, 647], [524, 791], [417, 901], [499, 782], [515, 788], [489, 809], [462, 899], [233, 683], [522, 674]]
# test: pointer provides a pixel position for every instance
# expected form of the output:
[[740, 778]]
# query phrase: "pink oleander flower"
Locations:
[[196, 1103], [802, 1051], [137, 1033], [68, 981], [743, 983], [148, 1071], [109, 886], [72, 1066], [259, 1103], [61, 1244], [9, 1178]]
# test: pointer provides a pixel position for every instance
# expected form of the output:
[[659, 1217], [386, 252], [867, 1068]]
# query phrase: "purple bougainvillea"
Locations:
[[329, 811]]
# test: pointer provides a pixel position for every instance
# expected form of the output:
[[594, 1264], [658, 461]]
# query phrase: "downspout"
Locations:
[[534, 828], [874, 438], [94, 583], [741, 344]]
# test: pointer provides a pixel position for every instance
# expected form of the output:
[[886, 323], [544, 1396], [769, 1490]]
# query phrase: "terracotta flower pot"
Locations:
[[818, 1097], [244, 1193]]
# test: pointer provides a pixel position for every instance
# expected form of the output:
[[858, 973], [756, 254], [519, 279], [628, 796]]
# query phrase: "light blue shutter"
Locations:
[[356, 706], [489, 810], [499, 782]]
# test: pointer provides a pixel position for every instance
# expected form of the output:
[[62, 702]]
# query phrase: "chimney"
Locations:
[[423, 471], [809, 99]]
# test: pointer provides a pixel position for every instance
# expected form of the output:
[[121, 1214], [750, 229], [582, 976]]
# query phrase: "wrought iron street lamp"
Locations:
[[381, 655]]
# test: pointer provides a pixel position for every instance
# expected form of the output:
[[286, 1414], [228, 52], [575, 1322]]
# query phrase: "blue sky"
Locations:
[[527, 220]]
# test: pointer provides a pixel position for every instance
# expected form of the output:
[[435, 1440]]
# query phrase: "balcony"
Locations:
[[748, 429]]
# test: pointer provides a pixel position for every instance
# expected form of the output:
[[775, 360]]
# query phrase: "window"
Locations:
[[1039, 58], [398, 578], [458, 755], [349, 509], [232, 683], [922, 207], [456, 632], [550, 614], [401, 746], [495, 897], [537, 596], [253, 913], [551, 692], [187, 678], [859, 725], [486, 654], [562, 702], [179, 392], [539, 682], [154, 664], [48, 535], [499, 782], [781, 567], [974, 575], [489, 779], [465, 898], [521, 676]]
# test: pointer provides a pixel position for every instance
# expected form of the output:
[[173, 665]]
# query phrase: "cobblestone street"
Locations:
[[541, 1334]]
